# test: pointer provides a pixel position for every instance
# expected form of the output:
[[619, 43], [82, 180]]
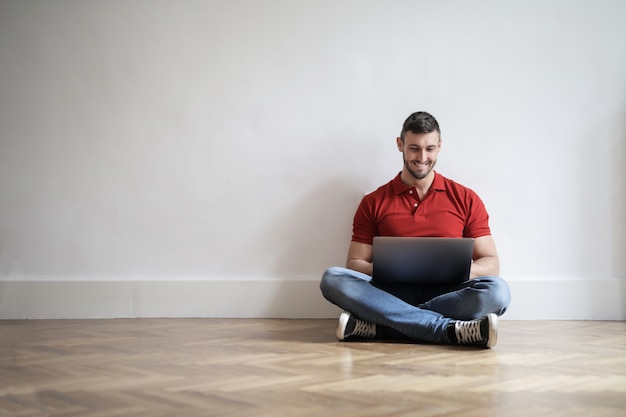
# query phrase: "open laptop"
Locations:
[[421, 260]]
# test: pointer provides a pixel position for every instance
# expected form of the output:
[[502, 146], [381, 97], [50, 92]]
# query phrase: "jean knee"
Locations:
[[338, 283], [500, 294], [331, 279]]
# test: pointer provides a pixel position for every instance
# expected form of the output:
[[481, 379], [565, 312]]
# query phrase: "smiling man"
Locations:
[[419, 202]]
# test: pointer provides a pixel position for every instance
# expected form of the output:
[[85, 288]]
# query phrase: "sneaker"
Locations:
[[351, 328], [482, 332]]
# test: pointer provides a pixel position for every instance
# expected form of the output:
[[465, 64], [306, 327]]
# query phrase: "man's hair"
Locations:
[[420, 122]]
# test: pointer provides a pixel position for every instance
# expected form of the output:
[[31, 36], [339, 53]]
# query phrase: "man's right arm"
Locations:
[[360, 258]]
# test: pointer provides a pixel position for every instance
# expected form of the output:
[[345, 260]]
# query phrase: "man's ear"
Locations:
[[401, 144]]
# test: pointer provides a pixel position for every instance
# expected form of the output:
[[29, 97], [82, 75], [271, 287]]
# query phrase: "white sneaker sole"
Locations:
[[341, 327], [493, 330]]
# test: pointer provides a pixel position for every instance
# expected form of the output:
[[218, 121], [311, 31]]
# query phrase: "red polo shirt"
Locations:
[[447, 210]]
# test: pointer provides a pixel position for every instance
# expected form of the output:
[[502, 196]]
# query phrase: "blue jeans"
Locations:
[[418, 312]]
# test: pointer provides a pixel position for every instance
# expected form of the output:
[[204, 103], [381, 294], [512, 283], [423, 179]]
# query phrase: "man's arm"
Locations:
[[486, 262], [360, 258]]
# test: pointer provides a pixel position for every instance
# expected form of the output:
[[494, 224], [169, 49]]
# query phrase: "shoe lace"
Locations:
[[468, 332], [364, 329]]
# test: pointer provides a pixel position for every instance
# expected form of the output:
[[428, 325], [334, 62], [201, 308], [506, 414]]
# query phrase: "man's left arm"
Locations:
[[486, 262]]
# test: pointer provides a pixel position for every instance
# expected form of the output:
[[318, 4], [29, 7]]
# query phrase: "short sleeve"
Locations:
[[477, 224], [364, 226]]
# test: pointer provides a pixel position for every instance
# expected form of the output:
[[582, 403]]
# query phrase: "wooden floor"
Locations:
[[241, 367]]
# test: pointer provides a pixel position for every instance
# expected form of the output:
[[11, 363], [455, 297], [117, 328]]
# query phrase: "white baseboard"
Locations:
[[556, 299]]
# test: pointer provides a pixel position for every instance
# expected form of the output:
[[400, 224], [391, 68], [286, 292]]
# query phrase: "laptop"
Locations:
[[421, 260]]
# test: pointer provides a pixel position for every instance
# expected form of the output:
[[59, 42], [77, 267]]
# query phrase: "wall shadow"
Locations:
[[312, 235], [619, 211], [315, 233]]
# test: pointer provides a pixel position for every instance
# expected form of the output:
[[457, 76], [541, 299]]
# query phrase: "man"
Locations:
[[422, 203]]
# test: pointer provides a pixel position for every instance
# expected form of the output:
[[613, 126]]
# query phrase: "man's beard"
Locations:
[[414, 174]]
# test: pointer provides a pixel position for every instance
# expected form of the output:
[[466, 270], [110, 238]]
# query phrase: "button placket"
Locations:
[[414, 200]]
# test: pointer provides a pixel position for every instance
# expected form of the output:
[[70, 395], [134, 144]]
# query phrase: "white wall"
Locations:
[[205, 158]]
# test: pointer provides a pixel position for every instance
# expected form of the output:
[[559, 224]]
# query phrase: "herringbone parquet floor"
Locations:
[[245, 367]]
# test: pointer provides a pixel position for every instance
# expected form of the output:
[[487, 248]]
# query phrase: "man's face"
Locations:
[[419, 151]]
